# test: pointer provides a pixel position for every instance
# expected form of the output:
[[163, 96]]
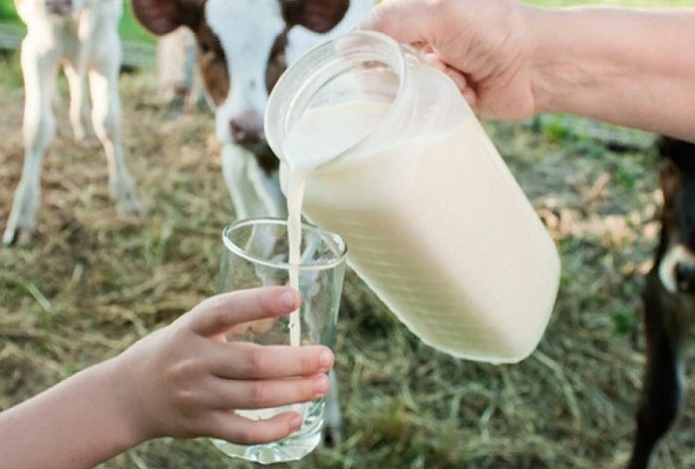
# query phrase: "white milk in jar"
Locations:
[[434, 222]]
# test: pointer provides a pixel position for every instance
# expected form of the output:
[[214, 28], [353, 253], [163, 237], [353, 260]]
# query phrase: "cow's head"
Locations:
[[243, 47]]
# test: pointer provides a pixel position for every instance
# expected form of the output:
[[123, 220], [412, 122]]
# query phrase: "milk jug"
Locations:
[[390, 156]]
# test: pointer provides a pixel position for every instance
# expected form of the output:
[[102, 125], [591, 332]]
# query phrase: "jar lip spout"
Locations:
[[329, 74]]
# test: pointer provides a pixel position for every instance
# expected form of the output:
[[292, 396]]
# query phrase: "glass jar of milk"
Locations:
[[381, 148]]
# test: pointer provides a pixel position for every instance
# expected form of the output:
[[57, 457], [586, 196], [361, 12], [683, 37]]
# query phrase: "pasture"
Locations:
[[91, 283]]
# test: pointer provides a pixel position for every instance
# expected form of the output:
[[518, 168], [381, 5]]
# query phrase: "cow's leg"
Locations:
[[662, 388], [253, 193], [79, 104], [106, 120], [39, 72]]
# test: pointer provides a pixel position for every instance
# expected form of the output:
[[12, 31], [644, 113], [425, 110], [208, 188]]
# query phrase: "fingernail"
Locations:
[[321, 385], [296, 422], [288, 298], [326, 359]]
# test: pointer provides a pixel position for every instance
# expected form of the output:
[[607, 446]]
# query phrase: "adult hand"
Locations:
[[482, 45]]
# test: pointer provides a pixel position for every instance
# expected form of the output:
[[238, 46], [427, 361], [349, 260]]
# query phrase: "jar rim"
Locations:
[[303, 80]]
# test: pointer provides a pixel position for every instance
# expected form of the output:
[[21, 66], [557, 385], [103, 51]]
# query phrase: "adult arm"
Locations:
[[633, 67], [626, 66]]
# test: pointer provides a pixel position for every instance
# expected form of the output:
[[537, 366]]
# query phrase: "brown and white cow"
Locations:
[[243, 46]]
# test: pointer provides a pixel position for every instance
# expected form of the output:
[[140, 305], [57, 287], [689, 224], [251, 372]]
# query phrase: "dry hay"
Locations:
[[91, 283]]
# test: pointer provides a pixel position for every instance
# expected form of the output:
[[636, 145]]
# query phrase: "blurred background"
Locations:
[[91, 283]]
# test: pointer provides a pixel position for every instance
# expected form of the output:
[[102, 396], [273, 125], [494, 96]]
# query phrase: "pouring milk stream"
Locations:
[[382, 149], [337, 128]]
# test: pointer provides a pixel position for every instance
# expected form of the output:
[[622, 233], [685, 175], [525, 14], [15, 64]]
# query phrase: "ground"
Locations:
[[91, 283]]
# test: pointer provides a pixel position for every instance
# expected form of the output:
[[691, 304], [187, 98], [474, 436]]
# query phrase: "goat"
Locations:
[[243, 46], [82, 36], [668, 300]]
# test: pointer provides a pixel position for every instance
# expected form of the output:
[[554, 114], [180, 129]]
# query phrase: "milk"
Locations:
[[303, 158], [294, 241], [435, 225]]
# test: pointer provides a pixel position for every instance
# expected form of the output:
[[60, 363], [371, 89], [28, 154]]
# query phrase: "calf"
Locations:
[[82, 36], [243, 46], [669, 301]]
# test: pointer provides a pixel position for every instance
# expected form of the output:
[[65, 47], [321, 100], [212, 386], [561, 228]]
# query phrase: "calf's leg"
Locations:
[[106, 119], [79, 104], [39, 73]]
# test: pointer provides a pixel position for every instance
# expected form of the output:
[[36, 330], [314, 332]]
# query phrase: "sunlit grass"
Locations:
[[10, 71], [92, 283]]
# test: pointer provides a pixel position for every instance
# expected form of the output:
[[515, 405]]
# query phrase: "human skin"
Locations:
[[183, 380], [628, 66]]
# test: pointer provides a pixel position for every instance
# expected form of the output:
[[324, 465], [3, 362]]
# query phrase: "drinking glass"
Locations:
[[256, 253]]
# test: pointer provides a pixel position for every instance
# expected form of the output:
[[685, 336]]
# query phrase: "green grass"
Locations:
[[91, 283], [10, 71], [7, 13], [131, 29]]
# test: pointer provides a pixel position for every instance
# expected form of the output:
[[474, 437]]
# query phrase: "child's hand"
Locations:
[[186, 380]]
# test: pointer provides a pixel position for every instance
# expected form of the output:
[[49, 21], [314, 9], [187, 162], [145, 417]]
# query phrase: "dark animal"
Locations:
[[669, 301]]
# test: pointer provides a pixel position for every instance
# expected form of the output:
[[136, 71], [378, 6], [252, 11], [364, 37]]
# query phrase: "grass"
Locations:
[[131, 29], [91, 283], [7, 12]]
